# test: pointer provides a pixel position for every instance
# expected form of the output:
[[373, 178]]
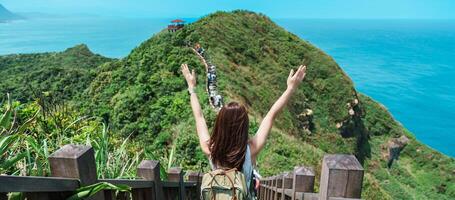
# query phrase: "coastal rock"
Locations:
[[395, 146], [351, 112]]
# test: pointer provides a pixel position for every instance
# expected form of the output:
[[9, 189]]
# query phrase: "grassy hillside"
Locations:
[[143, 96]]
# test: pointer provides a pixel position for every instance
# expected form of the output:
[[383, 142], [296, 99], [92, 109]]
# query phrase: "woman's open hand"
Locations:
[[294, 79], [190, 77]]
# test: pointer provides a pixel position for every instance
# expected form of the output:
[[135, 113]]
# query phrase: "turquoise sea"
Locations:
[[407, 65]]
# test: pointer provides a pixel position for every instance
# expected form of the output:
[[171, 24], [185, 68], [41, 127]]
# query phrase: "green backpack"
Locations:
[[224, 185]]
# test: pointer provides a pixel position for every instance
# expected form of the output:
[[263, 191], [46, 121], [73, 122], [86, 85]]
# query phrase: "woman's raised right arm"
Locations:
[[259, 140], [201, 125]]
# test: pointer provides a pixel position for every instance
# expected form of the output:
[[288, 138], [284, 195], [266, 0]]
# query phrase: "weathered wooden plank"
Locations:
[[286, 183], [267, 191], [269, 188], [140, 194], [195, 176], [260, 189], [123, 196], [109, 195], [150, 170], [193, 192], [354, 186], [45, 195], [288, 193], [75, 161], [272, 186], [134, 184], [37, 184], [172, 184], [337, 183], [303, 180], [279, 187], [169, 184], [263, 189], [341, 176], [288, 178], [308, 196], [175, 174]]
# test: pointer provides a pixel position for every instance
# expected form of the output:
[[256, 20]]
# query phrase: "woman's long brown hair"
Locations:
[[230, 136]]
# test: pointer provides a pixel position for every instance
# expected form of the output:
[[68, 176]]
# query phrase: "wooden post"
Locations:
[[75, 161], [279, 187], [270, 185], [109, 195], [197, 178], [303, 180], [273, 188], [263, 189], [260, 190], [287, 183], [341, 176], [123, 196], [149, 170], [175, 174], [267, 189]]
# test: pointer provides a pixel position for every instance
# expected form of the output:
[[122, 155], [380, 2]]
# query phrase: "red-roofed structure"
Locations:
[[175, 25], [177, 21]]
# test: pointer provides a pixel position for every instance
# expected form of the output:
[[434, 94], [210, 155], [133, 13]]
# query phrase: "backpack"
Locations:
[[223, 184]]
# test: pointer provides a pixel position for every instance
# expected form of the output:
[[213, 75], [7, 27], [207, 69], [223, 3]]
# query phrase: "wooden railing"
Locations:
[[73, 166], [341, 179]]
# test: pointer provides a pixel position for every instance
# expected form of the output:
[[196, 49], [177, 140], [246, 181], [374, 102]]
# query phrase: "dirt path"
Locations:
[[215, 98]]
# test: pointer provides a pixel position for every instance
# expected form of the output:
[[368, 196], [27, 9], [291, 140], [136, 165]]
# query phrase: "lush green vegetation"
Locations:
[[142, 98], [67, 73]]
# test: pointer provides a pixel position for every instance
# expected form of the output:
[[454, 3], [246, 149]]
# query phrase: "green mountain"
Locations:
[[6, 15], [143, 96], [67, 73]]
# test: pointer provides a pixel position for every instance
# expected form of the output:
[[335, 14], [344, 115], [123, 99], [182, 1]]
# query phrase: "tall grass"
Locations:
[[113, 162], [26, 143], [29, 133]]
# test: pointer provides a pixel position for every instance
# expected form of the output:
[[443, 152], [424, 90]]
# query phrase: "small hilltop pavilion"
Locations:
[[175, 25]]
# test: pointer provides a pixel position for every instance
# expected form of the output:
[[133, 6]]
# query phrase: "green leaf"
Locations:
[[6, 141], [88, 191], [12, 161], [6, 118], [26, 124], [16, 196]]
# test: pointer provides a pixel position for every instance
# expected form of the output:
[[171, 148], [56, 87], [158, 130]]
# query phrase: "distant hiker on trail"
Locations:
[[229, 149], [199, 49], [211, 77]]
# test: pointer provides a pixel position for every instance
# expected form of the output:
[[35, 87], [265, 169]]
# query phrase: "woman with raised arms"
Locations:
[[229, 146]]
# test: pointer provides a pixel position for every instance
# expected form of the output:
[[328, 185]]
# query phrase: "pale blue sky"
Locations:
[[364, 9]]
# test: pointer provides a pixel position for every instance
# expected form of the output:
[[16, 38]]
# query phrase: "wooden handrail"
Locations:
[[341, 179], [74, 166], [133, 183], [37, 184]]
